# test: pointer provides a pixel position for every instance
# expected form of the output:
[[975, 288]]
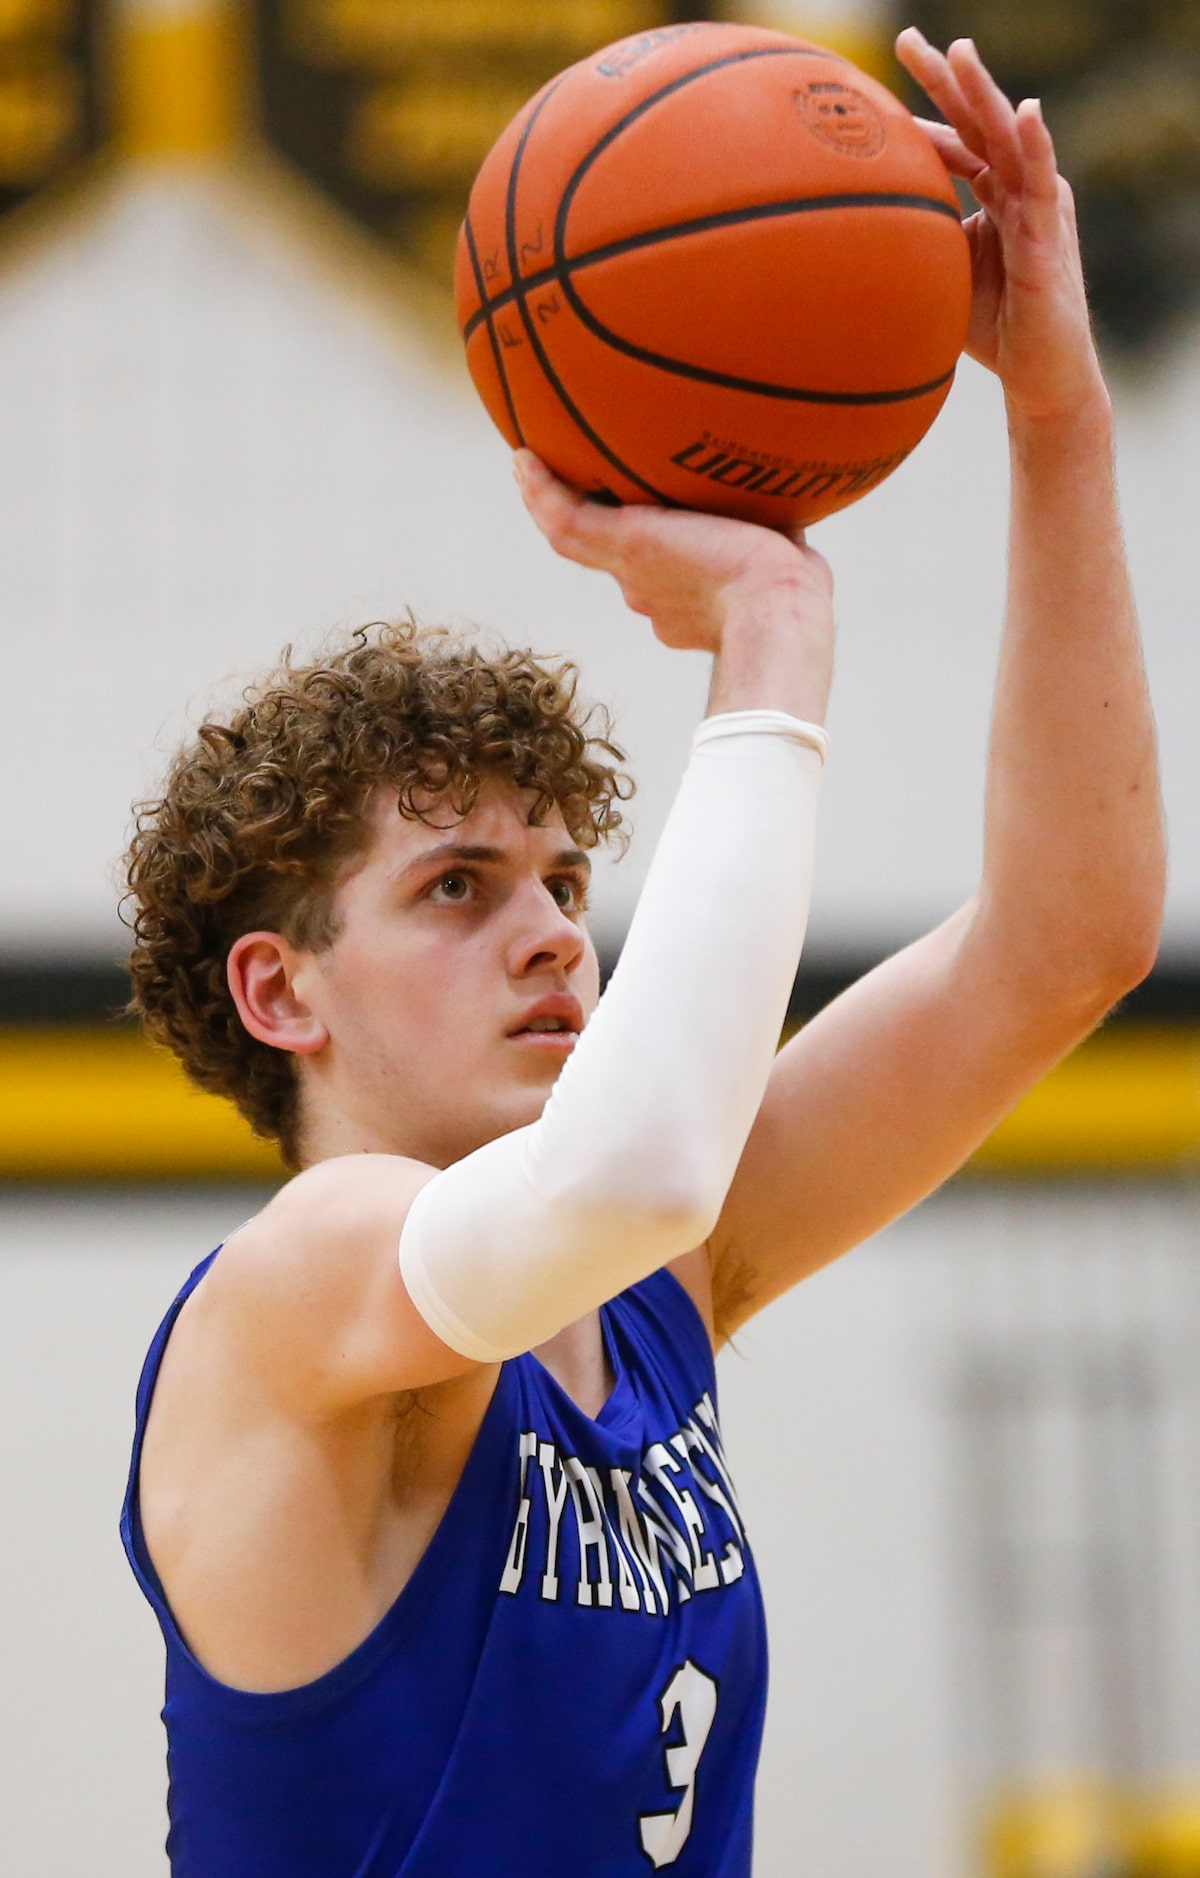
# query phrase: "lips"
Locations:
[[557, 1018]]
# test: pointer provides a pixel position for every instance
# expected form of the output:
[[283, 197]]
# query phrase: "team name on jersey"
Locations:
[[642, 1539]]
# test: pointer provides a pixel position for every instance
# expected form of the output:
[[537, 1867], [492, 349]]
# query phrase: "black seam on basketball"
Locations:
[[487, 312], [639, 110], [521, 298], [729, 381], [763, 212], [529, 283], [702, 224], [699, 374]]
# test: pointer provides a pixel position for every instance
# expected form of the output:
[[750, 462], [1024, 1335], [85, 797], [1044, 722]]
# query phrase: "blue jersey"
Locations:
[[572, 1681]]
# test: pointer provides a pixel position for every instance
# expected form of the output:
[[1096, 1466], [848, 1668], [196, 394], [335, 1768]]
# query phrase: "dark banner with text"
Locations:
[[50, 92], [390, 106], [1120, 82]]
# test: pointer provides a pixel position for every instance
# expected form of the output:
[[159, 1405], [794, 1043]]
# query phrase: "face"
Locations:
[[459, 980]]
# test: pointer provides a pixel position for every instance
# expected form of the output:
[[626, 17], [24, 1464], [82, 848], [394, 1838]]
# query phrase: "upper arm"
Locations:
[[881, 1098], [310, 1290]]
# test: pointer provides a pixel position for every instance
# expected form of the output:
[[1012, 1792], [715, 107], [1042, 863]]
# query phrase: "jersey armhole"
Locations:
[[677, 1313]]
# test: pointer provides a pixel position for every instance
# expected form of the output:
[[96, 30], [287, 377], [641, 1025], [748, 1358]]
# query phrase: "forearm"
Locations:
[[630, 1163], [1073, 862], [632, 1158]]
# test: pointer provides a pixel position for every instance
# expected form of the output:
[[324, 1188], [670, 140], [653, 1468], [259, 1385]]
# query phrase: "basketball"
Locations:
[[715, 267]]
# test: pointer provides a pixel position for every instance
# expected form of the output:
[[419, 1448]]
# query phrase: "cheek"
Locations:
[[436, 986]]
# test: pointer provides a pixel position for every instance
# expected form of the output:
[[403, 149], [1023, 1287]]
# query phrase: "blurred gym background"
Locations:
[[233, 415]]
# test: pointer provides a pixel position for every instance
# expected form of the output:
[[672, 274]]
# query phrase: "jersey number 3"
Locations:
[[694, 1695]]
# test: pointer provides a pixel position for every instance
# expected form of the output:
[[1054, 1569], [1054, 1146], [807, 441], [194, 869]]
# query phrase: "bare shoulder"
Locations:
[[341, 1206], [310, 1289], [307, 1430]]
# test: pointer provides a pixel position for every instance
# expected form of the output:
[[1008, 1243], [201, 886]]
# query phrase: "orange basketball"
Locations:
[[716, 267]]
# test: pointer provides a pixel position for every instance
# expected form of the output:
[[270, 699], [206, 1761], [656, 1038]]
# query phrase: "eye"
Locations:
[[452, 888], [568, 893]]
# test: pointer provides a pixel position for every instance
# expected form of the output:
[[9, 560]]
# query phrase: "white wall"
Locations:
[[209, 449], [835, 1410]]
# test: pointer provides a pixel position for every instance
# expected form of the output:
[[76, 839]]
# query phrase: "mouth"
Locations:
[[548, 1040], [553, 1024]]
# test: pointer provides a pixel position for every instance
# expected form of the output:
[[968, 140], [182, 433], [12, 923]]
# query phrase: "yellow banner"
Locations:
[[90, 1104]]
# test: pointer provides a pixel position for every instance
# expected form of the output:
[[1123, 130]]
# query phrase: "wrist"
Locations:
[[1087, 415], [1074, 450], [775, 653]]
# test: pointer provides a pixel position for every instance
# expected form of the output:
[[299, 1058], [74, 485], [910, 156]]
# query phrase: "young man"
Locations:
[[428, 1488]]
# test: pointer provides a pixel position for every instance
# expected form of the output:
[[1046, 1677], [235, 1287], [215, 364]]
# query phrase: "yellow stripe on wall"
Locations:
[[179, 82], [106, 1105], [1128, 1100], [1082, 1826]]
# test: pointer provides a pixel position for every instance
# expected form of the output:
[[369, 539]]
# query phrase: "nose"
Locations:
[[545, 937]]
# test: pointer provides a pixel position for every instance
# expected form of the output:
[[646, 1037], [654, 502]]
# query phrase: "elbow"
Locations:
[[1125, 954], [1103, 970], [685, 1217], [1135, 963], [1076, 962], [671, 1220], [1126, 948], [1082, 932], [1101, 978], [689, 1187], [660, 1185], [670, 1209]]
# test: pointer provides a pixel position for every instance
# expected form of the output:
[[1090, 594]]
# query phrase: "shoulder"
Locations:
[[310, 1291], [323, 1220], [350, 1188]]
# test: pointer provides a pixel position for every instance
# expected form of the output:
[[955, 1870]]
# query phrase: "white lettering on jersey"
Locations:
[[633, 1538], [592, 1531], [662, 1532], [691, 1440], [648, 1533], [710, 1445], [663, 1465], [693, 1694], [514, 1565], [556, 1499]]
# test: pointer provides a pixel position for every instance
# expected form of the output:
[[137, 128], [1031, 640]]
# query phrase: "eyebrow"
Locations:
[[450, 851]]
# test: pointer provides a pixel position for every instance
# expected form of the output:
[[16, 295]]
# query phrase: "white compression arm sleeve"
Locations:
[[635, 1150]]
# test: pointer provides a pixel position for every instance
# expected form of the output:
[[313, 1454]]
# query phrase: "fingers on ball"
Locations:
[[935, 74], [993, 111]]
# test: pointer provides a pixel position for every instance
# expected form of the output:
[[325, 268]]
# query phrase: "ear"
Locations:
[[261, 970]]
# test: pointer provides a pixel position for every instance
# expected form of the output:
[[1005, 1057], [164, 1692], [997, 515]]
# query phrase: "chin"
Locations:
[[519, 1109], [524, 1109]]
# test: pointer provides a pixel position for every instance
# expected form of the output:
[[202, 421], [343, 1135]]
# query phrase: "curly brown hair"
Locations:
[[259, 816]]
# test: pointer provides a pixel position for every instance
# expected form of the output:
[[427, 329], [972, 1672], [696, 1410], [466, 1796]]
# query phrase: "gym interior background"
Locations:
[[234, 415]]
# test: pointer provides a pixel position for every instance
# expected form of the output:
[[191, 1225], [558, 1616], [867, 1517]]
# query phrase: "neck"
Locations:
[[578, 1361]]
